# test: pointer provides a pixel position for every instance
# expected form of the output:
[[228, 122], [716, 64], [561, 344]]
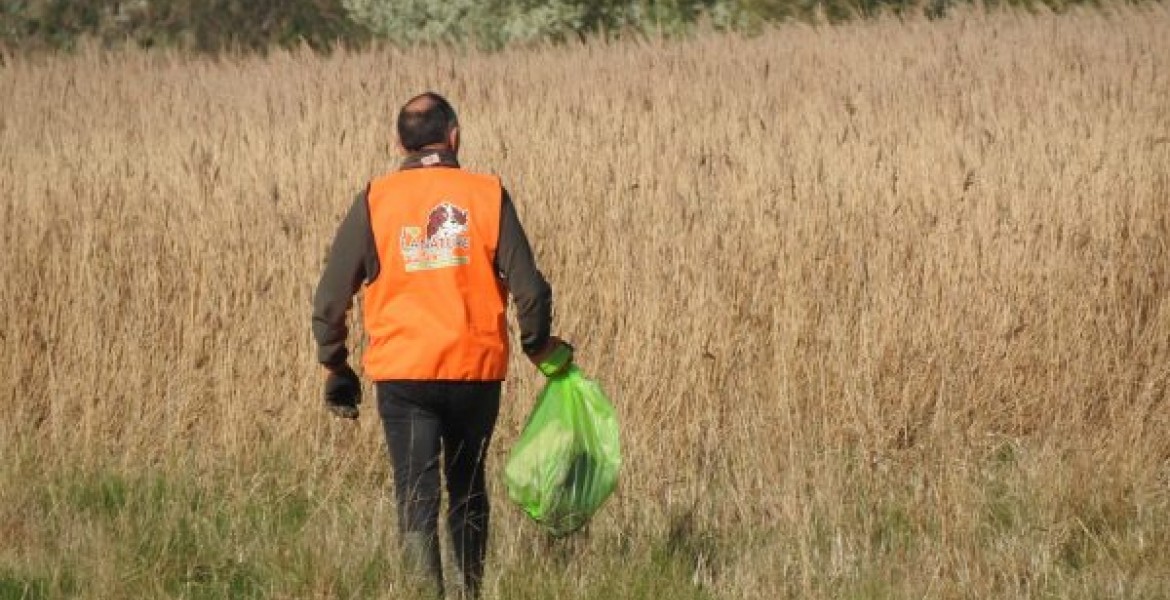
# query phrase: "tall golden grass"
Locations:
[[883, 307]]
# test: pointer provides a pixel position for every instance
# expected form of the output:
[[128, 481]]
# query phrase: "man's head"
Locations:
[[427, 122]]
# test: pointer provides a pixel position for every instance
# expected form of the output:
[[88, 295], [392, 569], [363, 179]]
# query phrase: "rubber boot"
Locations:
[[420, 553], [470, 546], [468, 584]]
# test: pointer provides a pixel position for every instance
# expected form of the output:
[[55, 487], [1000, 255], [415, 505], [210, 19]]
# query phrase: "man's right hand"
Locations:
[[343, 392]]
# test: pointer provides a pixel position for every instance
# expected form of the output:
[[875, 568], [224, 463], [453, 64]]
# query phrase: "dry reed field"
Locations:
[[883, 308]]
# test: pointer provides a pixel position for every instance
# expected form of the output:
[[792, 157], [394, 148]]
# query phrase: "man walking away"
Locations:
[[438, 250]]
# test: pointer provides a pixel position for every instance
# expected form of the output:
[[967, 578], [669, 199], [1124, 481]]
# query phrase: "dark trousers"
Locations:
[[447, 425]]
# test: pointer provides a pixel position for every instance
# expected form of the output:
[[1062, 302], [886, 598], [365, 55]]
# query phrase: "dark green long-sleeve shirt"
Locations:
[[353, 261]]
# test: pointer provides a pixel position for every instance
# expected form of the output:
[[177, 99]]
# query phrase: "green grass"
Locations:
[[146, 534], [14, 586], [49, 583], [609, 568], [114, 532]]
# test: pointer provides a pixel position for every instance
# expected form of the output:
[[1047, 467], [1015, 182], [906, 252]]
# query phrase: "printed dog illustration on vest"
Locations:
[[445, 244], [446, 222]]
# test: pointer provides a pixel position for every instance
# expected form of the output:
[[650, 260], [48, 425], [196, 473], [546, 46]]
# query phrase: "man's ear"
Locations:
[[453, 138]]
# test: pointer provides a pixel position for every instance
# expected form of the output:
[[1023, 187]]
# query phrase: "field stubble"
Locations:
[[882, 307]]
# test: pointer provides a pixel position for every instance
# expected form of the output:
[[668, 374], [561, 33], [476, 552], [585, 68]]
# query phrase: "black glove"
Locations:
[[556, 358], [343, 392]]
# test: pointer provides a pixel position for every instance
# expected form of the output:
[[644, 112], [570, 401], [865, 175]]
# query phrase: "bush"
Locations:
[[215, 25], [203, 25], [497, 23]]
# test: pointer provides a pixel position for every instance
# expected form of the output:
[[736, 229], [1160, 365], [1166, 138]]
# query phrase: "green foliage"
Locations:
[[255, 24], [497, 23], [216, 25], [414, 21], [207, 25]]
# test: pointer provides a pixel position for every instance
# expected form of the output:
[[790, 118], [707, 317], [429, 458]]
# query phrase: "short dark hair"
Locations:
[[424, 120]]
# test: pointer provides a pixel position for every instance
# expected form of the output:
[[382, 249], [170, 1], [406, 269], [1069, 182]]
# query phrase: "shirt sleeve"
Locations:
[[527, 285], [352, 261]]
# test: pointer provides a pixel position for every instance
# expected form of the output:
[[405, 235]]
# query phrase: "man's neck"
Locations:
[[439, 156]]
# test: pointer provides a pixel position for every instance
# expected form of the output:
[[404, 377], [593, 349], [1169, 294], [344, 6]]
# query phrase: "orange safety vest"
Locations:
[[436, 309]]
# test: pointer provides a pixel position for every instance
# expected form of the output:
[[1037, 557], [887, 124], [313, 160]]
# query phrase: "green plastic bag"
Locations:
[[566, 462]]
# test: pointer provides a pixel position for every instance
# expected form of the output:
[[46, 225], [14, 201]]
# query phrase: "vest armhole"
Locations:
[[373, 265]]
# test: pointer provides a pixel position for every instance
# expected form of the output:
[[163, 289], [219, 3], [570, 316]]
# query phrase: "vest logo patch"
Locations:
[[446, 243]]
